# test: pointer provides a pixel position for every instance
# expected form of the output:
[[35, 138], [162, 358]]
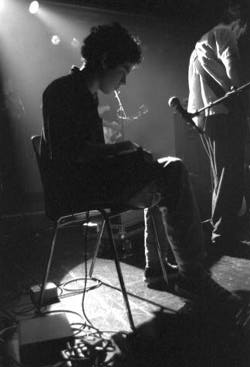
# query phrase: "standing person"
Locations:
[[214, 69], [88, 170]]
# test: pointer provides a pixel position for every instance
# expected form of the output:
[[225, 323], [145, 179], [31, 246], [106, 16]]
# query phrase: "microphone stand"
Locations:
[[228, 95]]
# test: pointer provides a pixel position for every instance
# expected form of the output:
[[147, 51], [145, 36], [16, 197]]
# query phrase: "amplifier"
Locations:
[[41, 339]]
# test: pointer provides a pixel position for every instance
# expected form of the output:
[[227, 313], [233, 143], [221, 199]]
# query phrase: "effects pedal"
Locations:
[[50, 295], [88, 351]]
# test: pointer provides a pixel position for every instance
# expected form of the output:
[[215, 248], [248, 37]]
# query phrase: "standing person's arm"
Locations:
[[220, 58]]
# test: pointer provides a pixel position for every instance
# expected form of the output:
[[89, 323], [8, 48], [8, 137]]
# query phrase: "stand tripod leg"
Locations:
[[98, 243], [119, 272]]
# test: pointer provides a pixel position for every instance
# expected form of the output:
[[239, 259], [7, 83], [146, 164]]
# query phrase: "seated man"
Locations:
[[92, 171]]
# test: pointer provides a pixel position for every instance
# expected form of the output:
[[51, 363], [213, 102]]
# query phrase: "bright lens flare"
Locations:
[[75, 42], [55, 40], [34, 7], [1, 5]]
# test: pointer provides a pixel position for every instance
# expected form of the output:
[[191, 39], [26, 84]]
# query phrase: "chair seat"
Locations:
[[86, 211]]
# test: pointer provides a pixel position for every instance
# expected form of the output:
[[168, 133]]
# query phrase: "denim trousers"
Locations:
[[176, 217], [122, 179]]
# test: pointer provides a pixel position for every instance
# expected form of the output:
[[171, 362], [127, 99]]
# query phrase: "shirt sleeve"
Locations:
[[218, 54], [226, 45]]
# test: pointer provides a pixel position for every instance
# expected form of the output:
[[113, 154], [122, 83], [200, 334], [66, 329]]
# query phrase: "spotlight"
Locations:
[[75, 42], [1, 5], [34, 7], [55, 39]]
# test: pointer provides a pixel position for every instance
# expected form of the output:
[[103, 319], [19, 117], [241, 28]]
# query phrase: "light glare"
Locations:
[[75, 42], [55, 39], [34, 6], [1, 5]]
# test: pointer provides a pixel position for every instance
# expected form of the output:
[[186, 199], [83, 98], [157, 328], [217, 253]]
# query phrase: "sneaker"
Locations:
[[154, 275], [204, 288]]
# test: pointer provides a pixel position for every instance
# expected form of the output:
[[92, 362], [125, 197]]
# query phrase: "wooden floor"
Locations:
[[169, 330]]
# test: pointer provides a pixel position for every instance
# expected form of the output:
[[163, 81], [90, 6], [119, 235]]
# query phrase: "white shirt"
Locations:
[[217, 52]]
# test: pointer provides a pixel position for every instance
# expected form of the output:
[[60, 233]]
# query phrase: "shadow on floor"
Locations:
[[189, 339]]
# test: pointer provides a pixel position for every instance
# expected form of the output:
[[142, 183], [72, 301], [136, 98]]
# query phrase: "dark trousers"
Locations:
[[177, 218], [123, 178], [224, 141]]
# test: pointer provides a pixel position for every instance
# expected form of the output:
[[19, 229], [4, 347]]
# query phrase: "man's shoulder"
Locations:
[[59, 84], [218, 30], [218, 38], [223, 32]]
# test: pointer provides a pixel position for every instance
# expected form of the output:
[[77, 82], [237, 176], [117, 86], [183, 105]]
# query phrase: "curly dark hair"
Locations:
[[113, 42]]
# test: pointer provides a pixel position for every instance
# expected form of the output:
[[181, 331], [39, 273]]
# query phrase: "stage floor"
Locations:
[[169, 330]]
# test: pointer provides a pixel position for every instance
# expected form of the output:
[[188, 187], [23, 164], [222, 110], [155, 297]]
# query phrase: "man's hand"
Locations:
[[126, 147]]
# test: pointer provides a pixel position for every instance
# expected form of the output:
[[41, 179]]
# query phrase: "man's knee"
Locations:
[[168, 160], [174, 163], [176, 178]]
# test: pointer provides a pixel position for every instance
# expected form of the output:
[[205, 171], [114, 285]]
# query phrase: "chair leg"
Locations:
[[98, 243], [47, 270], [159, 252], [119, 272]]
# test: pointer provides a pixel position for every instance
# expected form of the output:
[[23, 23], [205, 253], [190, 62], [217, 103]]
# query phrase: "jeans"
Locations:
[[177, 218], [119, 180]]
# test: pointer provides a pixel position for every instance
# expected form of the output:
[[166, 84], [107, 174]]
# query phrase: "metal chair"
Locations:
[[63, 217]]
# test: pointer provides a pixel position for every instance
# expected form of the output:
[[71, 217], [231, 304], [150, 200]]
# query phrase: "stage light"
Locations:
[[75, 42], [55, 39], [1, 5], [34, 7]]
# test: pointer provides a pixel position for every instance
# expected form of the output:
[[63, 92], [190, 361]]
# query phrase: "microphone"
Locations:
[[175, 103]]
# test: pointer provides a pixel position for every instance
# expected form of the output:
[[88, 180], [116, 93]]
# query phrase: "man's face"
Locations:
[[112, 79]]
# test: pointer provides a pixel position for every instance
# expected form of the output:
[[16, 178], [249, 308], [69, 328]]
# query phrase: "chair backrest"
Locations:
[[58, 199], [36, 142], [53, 197]]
